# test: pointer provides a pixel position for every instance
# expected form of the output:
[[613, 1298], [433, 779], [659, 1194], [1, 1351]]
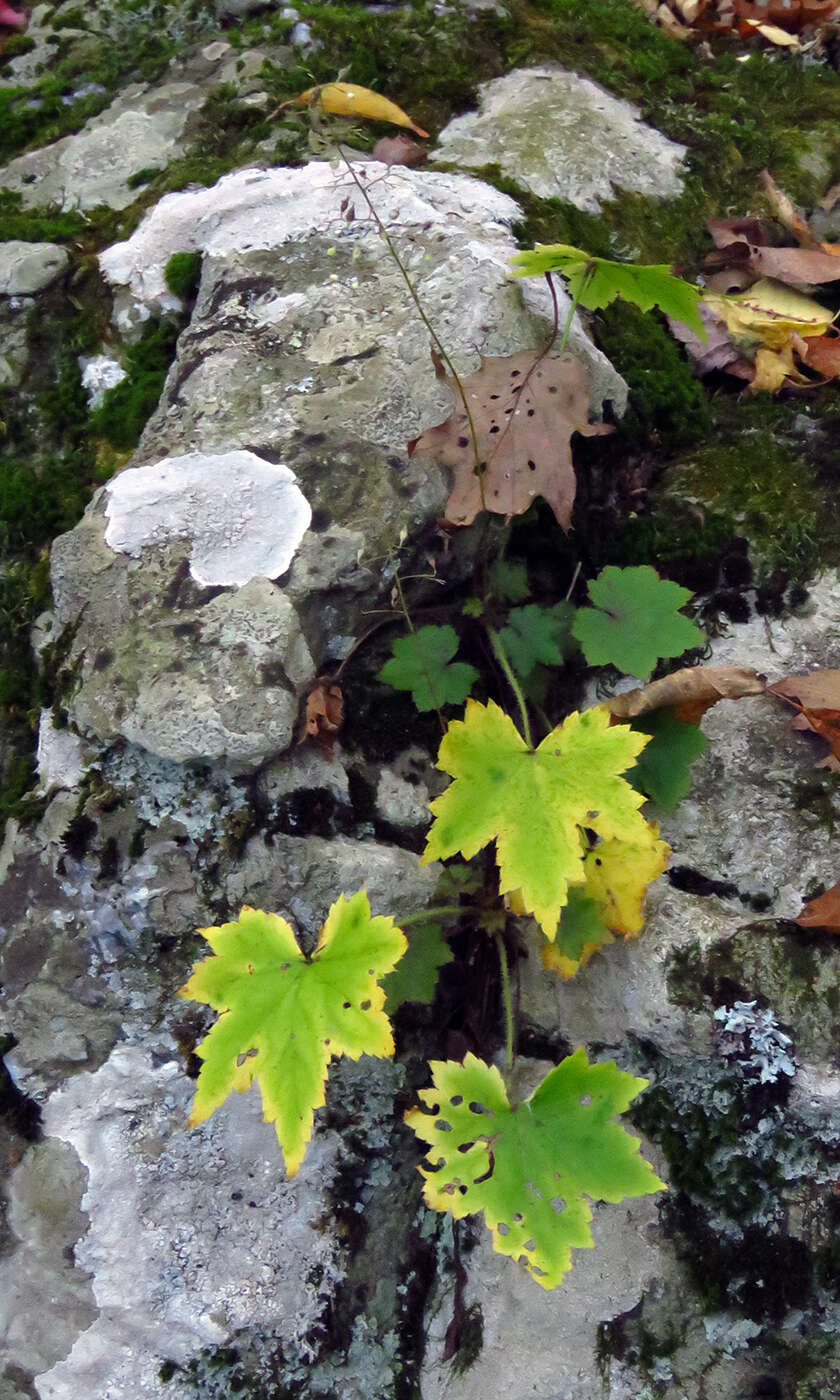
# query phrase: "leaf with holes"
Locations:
[[595, 282], [422, 663], [283, 1016], [534, 635], [635, 620], [663, 769], [532, 1170], [525, 409], [415, 977], [535, 802]]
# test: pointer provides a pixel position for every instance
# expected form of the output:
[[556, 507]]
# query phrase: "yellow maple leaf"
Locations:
[[350, 100], [617, 877], [555, 961]]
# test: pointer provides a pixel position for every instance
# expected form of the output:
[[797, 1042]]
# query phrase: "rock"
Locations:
[[26, 268], [304, 344], [562, 136], [60, 756], [142, 129], [219, 1238], [99, 374]]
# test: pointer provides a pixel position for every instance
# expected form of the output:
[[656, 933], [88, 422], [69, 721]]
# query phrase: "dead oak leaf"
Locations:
[[524, 411], [823, 912], [689, 692], [323, 714]]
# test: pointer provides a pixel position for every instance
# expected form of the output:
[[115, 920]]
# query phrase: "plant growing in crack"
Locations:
[[562, 811]]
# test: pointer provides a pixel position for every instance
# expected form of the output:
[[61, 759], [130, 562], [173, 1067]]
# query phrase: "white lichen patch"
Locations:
[[244, 517]]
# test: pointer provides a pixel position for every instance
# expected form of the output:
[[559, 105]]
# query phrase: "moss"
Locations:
[[182, 274], [817, 797], [667, 405], [127, 407], [471, 1340], [13, 46]]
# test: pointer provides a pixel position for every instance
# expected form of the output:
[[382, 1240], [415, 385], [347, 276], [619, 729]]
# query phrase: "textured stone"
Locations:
[[562, 136], [26, 268]]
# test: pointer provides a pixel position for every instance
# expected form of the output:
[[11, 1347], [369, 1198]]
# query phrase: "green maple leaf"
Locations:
[[663, 768], [416, 976], [284, 1016], [535, 802], [509, 581], [595, 282], [530, 1169], [533, 634], [422, 663], [582, 923], [635, 620]]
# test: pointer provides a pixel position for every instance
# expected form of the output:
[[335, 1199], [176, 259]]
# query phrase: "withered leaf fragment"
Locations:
[[817, 698], [323, 714], [823, 912], [524, 417], [689, 693]]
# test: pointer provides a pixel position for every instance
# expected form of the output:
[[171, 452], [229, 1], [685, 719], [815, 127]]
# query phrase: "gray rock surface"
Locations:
[[142, 129], [26, 268], [304, 346], [561, 136]]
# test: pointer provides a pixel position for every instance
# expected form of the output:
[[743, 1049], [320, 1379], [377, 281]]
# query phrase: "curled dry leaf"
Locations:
[[822, 912], [524, 410], [816, 697], [323, 714], [689, 692], [350, 100]]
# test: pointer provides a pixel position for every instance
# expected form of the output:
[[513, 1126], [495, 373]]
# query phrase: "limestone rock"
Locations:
[[141, 129], [26, 268], [562, 136]]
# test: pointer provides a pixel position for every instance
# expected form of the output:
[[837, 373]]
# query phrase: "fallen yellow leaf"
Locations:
[[768, 314], [348, 100]]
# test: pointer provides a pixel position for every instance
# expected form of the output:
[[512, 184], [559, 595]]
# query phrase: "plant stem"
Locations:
[[436, 340], [501, 657], [507, 1002]]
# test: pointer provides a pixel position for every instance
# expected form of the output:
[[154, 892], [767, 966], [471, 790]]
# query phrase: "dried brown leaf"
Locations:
[[786, 213], [525, 411], [818, 690], [823, 355], [822, 912], [689, 692], [323, 714]]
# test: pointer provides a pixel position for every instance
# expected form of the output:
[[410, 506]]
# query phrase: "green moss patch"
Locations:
[[127, 407]]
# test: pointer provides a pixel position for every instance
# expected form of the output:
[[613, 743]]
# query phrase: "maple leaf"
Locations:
[[817, 698], [534, 635], [769, 314], [415, 977], [525, 410], [284, 1017], [422, 663], [530, 1169], [506, 792], [595, 282], [581, 932], [663, 769], [635, 620]]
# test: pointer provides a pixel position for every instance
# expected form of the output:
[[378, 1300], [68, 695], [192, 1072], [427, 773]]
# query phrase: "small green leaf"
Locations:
[[422, 663], [531, 1169], [595, 282], [533, 634], [473, 607], [415, 977], [581, 922], [635, 620], [284, 1017], [663, 769], [509, 581], [534, 803]]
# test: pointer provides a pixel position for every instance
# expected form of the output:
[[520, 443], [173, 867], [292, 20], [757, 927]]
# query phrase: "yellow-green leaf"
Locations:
[[350, 100], [283, 1016], [534, 803]]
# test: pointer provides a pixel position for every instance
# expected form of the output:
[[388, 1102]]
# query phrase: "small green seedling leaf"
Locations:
[[663, 769], [595, 282], [531, 1169], [634, 621], [415, 977], [533, 634], [535, 802], [422, 663], [509, 581], [284, 1016]]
